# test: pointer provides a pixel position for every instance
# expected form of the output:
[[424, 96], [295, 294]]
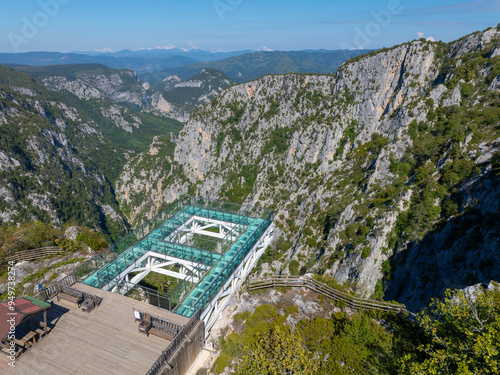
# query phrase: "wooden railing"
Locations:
[[352, 302], [155, 320], [165, 356], [34, 254], [51, 290]]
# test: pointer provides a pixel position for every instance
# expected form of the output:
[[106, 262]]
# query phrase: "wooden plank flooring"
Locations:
[[105, 341]]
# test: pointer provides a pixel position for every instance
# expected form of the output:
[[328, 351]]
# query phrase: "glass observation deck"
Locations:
[[201, 295], [162, 235]]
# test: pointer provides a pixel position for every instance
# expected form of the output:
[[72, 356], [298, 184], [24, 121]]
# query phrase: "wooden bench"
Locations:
[[44, 327], [163, 332], [71, 295], [158, 327], [41, 332], [20, 343], [29, 339]]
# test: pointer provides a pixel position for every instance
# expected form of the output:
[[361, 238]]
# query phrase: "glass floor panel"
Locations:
[[221, 266], [216, 277]]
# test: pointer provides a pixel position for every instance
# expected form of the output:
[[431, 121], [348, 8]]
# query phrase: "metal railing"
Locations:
[[165, 356], [211, 291], [89, 250], [130, 239], [167, 301], [355, 303]]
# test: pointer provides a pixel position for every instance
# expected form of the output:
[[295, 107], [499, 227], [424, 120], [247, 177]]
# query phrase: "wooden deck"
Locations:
[[105, 341]]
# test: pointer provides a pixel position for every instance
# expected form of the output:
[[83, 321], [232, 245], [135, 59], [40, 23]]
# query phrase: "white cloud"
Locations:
[[167, 47], [421, 35], [105, 49], [193, 46], [267, 49]]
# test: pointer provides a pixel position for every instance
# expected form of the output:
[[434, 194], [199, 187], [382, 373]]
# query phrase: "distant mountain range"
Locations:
[[257, 64], [238, 65], [195, 54], [177, 83], [138, 64]]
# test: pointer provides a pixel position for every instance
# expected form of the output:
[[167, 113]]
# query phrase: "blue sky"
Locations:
[[228, 25]]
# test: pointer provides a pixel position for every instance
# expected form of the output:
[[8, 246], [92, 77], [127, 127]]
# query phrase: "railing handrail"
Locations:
[[89, 250], [325, 286], [108, 250], [326, 290], [52, 289], [230, 262], [165, 356]]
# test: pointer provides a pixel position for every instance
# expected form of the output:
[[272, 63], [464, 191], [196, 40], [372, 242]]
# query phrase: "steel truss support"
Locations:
[[199, 225], [221, 300], [154, 262]]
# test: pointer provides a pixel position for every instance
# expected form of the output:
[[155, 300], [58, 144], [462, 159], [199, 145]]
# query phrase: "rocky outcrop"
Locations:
[[178, 98], [93, 85], [463, 252], [147, 175], [116, 114]]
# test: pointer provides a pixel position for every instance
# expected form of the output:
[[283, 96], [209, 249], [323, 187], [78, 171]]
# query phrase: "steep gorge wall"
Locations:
[[341, 157]]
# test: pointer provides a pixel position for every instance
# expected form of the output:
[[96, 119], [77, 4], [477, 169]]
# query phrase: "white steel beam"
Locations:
[[149, 257], [213, 311]]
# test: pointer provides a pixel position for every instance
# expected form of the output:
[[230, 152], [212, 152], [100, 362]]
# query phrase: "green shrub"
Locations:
[[92, 239], [294, 267], [367, 250]]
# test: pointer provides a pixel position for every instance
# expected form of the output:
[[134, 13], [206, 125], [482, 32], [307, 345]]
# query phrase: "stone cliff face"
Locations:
[[96, 86], [173, 98], [116, 114], [369, 171], [147, 175], [178, 98], [461, 252]]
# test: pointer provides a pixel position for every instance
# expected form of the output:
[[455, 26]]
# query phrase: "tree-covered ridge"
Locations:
[[75, 71], [457, 335], [254, 65], [61, 155], [44, 173], [186, 95]]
